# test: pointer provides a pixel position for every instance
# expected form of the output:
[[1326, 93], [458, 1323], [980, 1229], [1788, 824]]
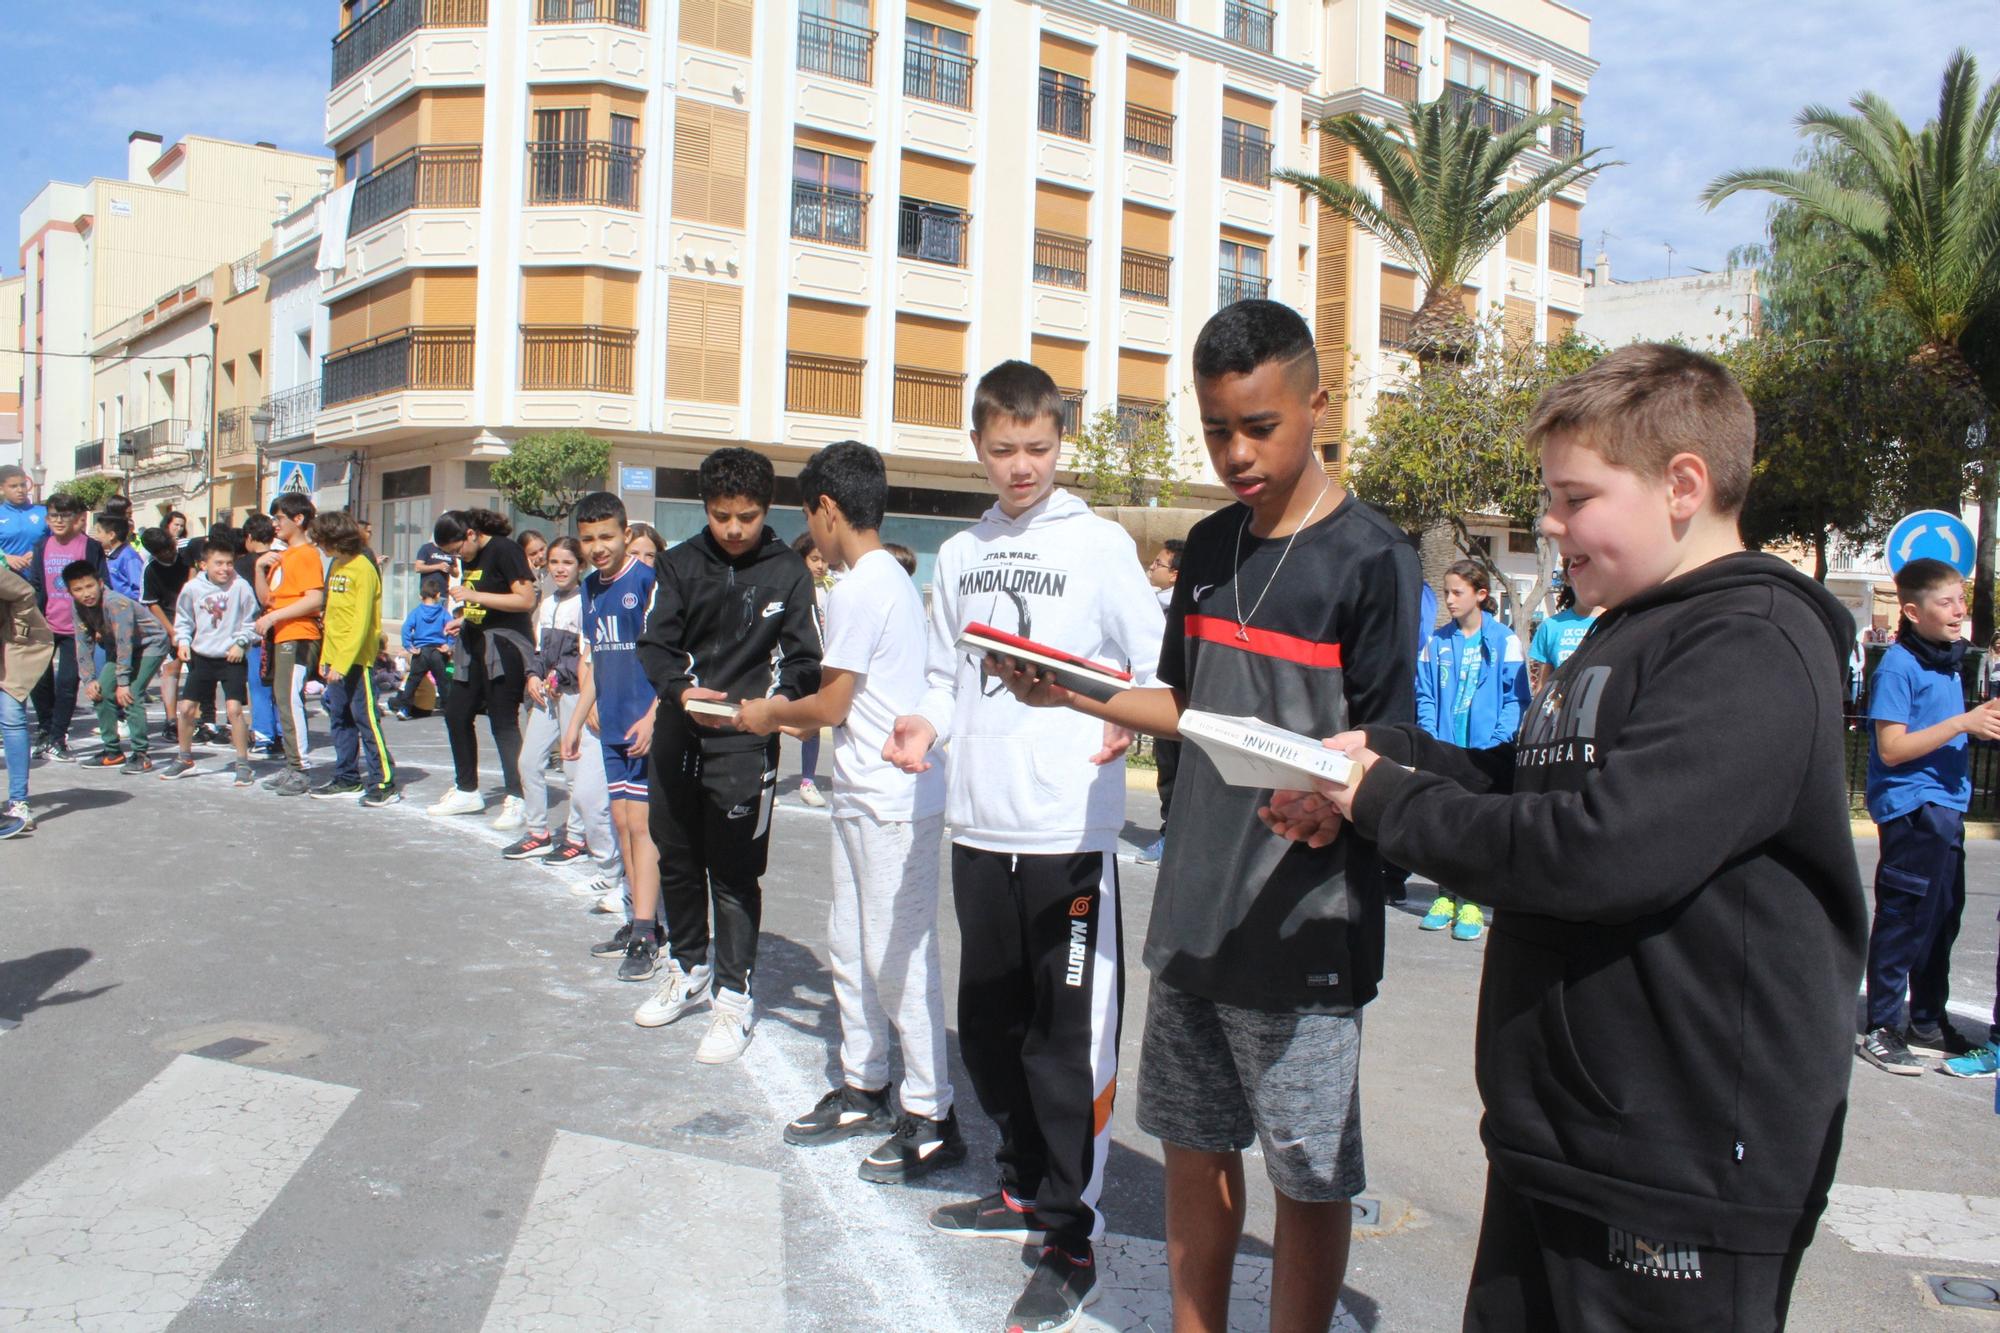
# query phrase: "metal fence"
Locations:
[[1149, 133], [1061, 261], [424, 358], [292, 411], [929, 398], [1248, 25], [568, 171], [1144, 277], [1064, 111], [428, 177], [931, 232], [624, 13], [1245, 157], [1232, 287], [1494, 114], [841, 50], [827, 386], [390, 22], [822, 213], [576, 357], [932, 74]]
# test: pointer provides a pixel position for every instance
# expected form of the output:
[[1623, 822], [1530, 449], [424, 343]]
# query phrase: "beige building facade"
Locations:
[[12, 294]]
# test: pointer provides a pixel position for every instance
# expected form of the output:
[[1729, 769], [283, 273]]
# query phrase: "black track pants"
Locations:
[[710, 816]]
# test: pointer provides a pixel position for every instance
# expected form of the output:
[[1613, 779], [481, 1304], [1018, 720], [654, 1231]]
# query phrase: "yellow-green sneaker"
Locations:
[[1471, 923], [1440, 915]]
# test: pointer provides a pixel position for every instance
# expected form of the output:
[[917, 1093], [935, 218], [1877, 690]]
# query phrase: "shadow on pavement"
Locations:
[[25, 982], [69, 800]]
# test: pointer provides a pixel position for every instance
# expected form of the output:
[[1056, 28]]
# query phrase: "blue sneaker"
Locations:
[[1470, 925], [1443, 912], [1979, 1063], [1151, 856]]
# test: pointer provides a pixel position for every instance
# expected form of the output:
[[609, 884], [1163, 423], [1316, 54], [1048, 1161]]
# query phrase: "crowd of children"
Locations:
[[1637, 1124]]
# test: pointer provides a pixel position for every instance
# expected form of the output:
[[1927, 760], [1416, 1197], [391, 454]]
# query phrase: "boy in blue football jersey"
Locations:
[[614, 694]]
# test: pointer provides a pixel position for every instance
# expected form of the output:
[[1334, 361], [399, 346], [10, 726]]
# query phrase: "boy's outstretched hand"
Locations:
[[909, 743], [1117, 740], [1314, 817]]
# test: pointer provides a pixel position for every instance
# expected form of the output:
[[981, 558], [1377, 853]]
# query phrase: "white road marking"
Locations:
[[123, 1228], [1916, 1224], [620, 1236]]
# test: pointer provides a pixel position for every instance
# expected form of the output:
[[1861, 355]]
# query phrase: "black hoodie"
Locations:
[[742, 625], [1666, 1019]]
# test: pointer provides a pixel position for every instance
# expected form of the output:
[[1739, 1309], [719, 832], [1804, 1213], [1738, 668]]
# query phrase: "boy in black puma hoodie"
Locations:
[[1666, 1018]]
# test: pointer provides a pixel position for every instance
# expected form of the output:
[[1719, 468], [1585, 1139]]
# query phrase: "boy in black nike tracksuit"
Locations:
[[1666, 1020], [732, 619]]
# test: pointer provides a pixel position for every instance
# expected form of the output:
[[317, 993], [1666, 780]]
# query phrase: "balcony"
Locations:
[[89, 457], [1245, 24], [838, 50], [624, 13], [1061, 261], [144, 442], [235, 442], [1398, 326], [931, 74], [1491, 112], [390, 22], [826, 386], [1159, 9], [1145, 277], [1565, 254], [428, 177], [1232, 286], [292, 411], [417, 358], [1065, 112], [1133, 414], [929, 398], [1400, 71], [1072, 413], [931, 232], [832, 217], [1246, 157], [1149, 133], [1566, 137], [587, 172], [585, 357]]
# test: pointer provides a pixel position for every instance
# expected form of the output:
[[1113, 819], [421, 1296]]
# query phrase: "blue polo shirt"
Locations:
[[1902, 690], [21, 526]]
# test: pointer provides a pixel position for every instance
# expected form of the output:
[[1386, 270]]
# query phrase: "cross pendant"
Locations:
[[1243, 634]]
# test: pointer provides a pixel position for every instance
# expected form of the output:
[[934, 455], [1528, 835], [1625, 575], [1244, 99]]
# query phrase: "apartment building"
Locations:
[[12, 293], [787, 224]]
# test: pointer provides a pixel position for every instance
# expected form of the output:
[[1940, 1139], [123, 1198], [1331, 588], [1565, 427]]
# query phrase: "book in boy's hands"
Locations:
[[1251, 753], [706, 709], [1078, 675]]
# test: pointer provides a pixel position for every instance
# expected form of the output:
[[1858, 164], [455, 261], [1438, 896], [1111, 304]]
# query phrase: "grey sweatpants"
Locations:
[[589, 800]]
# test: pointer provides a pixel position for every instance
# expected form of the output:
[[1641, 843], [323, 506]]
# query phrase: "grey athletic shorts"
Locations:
[[1214, 1078]]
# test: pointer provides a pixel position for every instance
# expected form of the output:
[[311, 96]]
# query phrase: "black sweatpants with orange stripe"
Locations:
[[1041, 995]]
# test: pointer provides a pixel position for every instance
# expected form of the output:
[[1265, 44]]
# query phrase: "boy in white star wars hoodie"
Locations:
[[1036, 798]]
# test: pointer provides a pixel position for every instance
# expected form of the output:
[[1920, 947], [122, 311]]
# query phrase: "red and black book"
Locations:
[[1079, 675]]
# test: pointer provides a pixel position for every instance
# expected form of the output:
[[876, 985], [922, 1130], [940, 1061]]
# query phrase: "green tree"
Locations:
[[92, 490], [1128, 459], [547, 474]]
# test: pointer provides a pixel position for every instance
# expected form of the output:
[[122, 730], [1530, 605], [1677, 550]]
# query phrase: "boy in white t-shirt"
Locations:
[[882, 931]]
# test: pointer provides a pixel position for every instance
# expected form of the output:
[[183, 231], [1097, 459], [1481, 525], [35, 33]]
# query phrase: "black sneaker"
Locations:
[[528, 847], [136, 762], [564, 852], [841, 1114], [1063, 1283], [61, 753], [642, 958], [1944, 1040], [615, 946], [180, 766], [377, 797], [103, 759], [998, 1215], [919, 1146], [42, 747], [335, 789], [1884, 1049]]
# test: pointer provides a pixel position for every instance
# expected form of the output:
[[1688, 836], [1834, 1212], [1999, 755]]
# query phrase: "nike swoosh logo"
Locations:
[[772, 610], [1202, 590]]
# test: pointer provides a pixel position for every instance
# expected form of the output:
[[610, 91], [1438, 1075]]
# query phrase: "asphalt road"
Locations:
[[274, 1063]]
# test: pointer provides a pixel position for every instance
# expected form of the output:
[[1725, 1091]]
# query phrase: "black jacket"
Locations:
[[745, 627], [1666, 1019], [93, 555]]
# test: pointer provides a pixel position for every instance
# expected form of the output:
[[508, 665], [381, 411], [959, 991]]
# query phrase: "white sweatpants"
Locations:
[[589, 799], [882, 935]]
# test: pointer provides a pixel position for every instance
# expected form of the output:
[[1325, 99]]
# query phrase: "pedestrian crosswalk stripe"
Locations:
[[123, 1228], [620, 1236]]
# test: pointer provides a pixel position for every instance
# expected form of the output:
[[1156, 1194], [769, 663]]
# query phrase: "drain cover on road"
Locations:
[[229, 1048], [246, 1041], [1969, 1293], [1367, 1212]]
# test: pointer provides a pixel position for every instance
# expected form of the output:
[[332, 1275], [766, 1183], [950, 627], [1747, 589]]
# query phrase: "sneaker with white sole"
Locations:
[[919, 1146], [611, 904], [728, 1034], [678, 996], [999, 1215], [1885, 1049], [810, 793], [179, 766], [457, 802], [1063, 1283], [19, 810], [595, 888], [842, 1114], [513, 815]]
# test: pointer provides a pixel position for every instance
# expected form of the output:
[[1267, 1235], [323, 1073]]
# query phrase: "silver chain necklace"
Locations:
[[1236, 584]]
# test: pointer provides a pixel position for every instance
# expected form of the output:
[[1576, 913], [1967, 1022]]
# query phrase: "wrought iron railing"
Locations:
[[1133, 414], [573, 171], [585, 356], [839, 50], [827, 386], [1245, 157], [1398, 326], [1072, 412], [293, 410], [836, 217], [89, 457], [1149, 133], [1400, 71], [1566, 137], [1064, 111], [1061, 261], [1487, 110], [1565, 254], [1143, 276], [929, 398], [932, 74], [1248, 25], [1233, 286], [624, 13], [233, 438], [388, 23], [243, 274], [433, 176], [143, 442], [932, 232], [415, 358], [1163, 9]]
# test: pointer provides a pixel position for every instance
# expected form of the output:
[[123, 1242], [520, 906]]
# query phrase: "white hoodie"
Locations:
[[1019, 778]]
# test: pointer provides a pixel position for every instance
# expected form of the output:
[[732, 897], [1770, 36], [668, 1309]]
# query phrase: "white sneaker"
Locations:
[[611, 904], [19, 810], [513, 815], [678, 996], [728, 1032], [456, 802], [595, 888]]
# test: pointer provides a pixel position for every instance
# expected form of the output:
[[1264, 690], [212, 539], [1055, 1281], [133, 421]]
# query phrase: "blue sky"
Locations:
[[1686, 90]]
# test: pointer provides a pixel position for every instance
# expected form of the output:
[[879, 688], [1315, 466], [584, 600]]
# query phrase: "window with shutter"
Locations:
[[704, 341], [711, 153]]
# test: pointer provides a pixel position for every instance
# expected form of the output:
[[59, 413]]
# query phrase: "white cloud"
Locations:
[[228, 100]]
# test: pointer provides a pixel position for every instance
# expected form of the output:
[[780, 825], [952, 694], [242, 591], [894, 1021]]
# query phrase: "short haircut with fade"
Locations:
[[1239, 338], [1016, 391], [852, 475], [1920, 577], [1644, 404], [600, 507], [737, 471]]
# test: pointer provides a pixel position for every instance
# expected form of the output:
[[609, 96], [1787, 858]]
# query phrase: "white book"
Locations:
[[1251, 753], [1078, 675], [711, 708]]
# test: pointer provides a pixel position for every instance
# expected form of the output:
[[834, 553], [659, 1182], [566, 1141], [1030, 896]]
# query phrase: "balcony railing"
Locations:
[[568, 171], [233, 438], [929, 398], [1400, 72], [827, 386], [624, 13], [560, 356], [143, 442], [1133, 414], [1072, 412], [836, 217], [243, 275], [1232, 286], [1143, 276], [428, 177], [1565, 254], [1397, 326], [292, 411], [1245, 158], [420, 358], [89, 457], [1248, 25], [1061, 261], [1487, 110], [931, 232], [1566, 137], [390, 22], [839, 50], [932, 74], [1149, 133], [1162, 9], [1065, 112]]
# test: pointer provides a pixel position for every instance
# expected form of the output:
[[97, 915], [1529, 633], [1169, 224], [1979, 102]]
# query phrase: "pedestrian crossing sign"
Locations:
[[296, 478]]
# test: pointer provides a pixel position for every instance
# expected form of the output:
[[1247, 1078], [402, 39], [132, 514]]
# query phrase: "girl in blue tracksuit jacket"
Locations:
[[1472, 685]]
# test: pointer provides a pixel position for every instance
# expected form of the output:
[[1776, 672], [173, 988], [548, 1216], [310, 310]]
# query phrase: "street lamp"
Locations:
[[260, 440]]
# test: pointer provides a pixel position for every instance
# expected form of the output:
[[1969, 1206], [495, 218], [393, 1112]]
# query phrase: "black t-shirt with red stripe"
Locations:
[[1242, 916]]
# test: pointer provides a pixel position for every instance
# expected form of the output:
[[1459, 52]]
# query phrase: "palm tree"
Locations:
[[1445, 203]]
